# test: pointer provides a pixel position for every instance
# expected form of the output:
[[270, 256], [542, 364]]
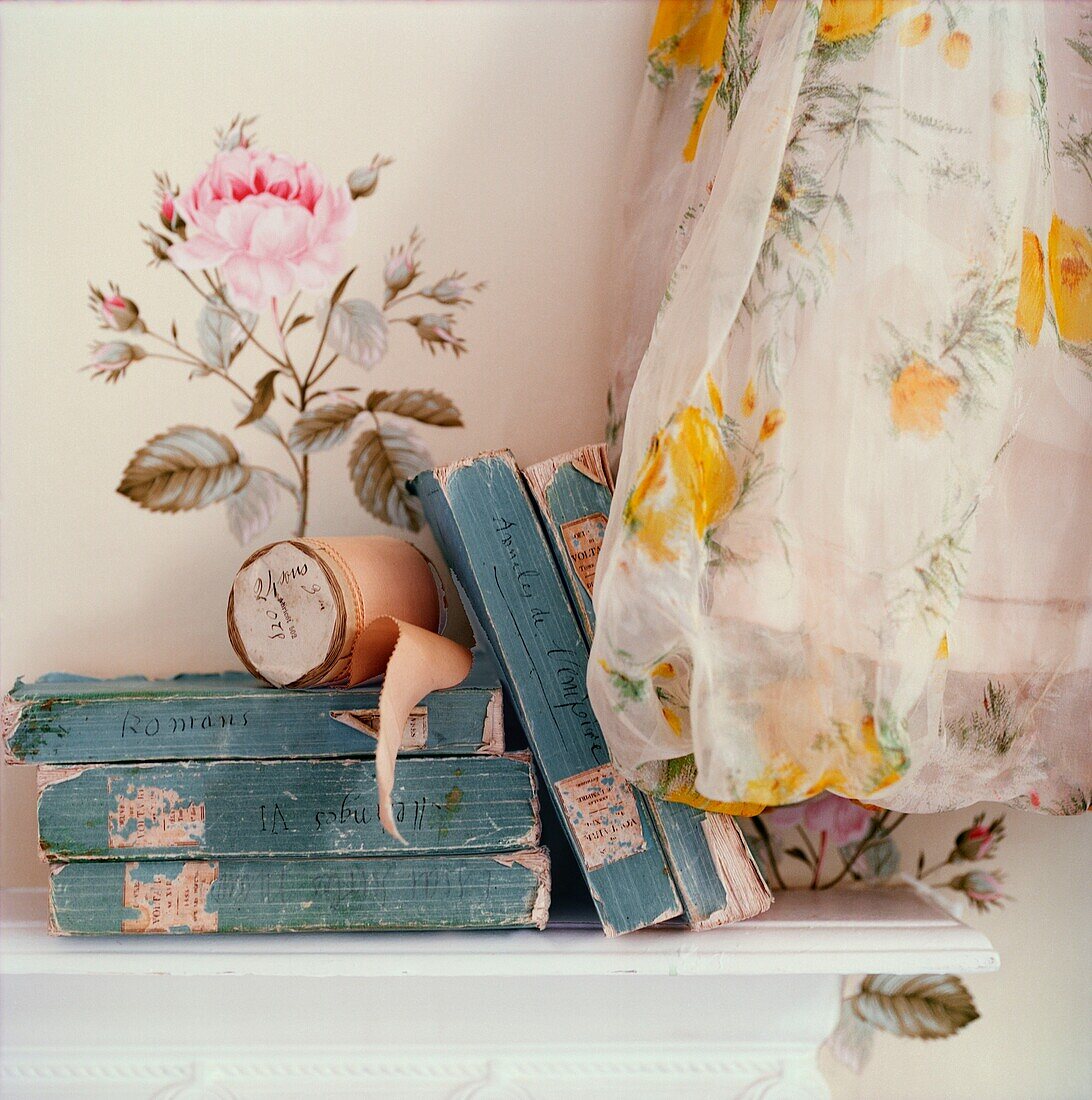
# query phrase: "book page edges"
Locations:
[[493, 727], [745, 889], [537, 861], [11, 710]]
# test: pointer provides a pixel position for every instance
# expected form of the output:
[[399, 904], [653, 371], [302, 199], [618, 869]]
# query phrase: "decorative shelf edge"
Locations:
[[882, 930]]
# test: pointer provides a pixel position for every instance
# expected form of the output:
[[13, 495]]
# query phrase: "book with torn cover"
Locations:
[[187, 809], [718, 879], [386, 893], [75, 720]]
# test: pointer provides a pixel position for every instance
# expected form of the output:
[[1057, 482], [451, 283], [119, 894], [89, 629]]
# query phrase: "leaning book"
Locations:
[[485, 522], [718, 879]]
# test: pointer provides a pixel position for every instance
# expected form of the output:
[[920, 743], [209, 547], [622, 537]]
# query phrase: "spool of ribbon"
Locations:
[[339, 612]]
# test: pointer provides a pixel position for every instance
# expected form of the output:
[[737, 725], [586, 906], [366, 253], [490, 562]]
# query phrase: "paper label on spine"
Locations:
[[153, 817], [602, 811], [285, 613], [583, 539], [414, 733], [164, 903]]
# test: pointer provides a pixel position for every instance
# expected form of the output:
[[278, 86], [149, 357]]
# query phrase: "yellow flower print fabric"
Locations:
[[851, 547]]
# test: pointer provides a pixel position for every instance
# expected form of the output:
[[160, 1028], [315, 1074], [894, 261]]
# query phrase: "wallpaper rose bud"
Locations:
[[402, 267], [362, 182], [115, 311], [978, 841], [435, 331], [110, 360], [982, 888]]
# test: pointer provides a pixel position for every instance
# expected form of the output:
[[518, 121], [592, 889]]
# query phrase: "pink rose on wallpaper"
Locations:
[[844, 821], [269, 223]]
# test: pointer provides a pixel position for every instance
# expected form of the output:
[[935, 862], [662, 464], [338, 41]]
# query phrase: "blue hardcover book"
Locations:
[[486, 525], [387, 893], [184, 810], [717, 877], [75, 720]]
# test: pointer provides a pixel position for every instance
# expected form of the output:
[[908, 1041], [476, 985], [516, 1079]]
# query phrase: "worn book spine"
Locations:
[[231, 716], [284, 808], [485, 522], [717, 878], [388, 893], [573, 493]]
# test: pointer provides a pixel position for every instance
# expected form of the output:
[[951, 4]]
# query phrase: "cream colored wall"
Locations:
[[506, 120]]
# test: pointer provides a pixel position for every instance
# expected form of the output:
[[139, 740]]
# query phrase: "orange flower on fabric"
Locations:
[[672, 18], [686, 483], [840, 19], [956, 49], [684, 35], [639, 515], [715, 400], [1071, 280], [770, 423], [703, 472], [747, 401], [916, 30], [691, 148], [703, 42], [919, 397], [1032, 301]]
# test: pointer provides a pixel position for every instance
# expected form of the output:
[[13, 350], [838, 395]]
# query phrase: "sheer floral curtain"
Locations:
[[851, 547]]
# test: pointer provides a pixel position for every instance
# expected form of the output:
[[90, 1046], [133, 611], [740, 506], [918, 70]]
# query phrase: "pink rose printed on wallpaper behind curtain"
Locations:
[[261, 239]]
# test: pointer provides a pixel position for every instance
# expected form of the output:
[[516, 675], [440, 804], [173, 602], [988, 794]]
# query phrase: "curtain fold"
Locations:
[[851, 547]]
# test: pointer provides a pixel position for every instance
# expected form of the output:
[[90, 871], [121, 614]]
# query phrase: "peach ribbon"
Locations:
[[339, 612]]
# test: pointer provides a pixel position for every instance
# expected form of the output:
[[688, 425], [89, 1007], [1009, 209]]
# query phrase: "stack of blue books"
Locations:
[[216, 804]]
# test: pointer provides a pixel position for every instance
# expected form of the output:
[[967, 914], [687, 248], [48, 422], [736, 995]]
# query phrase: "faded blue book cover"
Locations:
[[387, 893], [75, 720], [485, 522], [717, 878], [285, 808]]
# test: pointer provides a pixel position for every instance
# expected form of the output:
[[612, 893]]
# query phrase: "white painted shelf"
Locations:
[[455, 1016], [893, 930]]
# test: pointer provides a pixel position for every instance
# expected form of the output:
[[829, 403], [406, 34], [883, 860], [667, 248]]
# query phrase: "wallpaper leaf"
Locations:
[[250, 510], [922, 1006], [323, 427], [425, 406], [184, 468], [381, 461], [263, 398], [220, 335], [358, 331]]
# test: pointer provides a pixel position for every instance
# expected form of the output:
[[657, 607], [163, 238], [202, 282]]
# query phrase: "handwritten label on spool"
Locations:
[[286, 613]]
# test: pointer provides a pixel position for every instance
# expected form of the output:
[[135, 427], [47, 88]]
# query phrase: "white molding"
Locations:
[[532, 1072], [737, 1013]]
